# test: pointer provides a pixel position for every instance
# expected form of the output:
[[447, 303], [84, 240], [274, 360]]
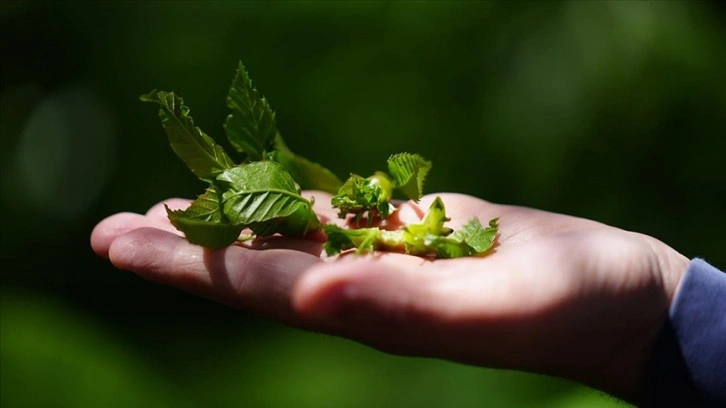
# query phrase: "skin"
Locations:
[[559, 295]]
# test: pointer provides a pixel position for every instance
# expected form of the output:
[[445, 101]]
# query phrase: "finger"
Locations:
[[311, 245], [407, 212], [323, 208], [115, 225], [258, 281], [158, 211], [321, 198], [460, 208]]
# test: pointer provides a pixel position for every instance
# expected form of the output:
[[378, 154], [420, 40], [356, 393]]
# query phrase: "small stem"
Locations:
[[246, 237], [390, 240]]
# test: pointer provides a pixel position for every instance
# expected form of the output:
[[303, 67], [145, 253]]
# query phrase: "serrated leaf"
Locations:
[[205, 207], [477, 237], [264, 197], [448, 248], [427, 238], [408, 172], [353, 196], [202, 222], [310, 175], [430, 236], [201, 154], [250, 126], [359, 195]]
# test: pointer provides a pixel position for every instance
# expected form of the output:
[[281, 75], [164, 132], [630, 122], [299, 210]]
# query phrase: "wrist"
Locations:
[[663, 269], [668, 269]]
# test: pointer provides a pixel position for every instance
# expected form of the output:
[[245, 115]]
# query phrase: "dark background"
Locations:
[[613, 111]]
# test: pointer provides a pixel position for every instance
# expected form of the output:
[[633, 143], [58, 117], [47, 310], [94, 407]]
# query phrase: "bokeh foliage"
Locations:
[[607, 110]]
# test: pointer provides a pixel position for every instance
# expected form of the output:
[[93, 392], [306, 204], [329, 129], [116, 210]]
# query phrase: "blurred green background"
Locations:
[[608, 110]]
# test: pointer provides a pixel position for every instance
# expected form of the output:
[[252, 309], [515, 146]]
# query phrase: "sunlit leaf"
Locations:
[[408, 172], [264, 197], [250, 126], [201, 154], [202, 222]]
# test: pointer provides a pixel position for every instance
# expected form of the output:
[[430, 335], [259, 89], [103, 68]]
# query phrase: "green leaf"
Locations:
[[435, 219], [448, 248], [250, 126], [478, 238], [202, 222], [471, 239], [353, 196], [264, 197], [204, 158], [359, 195], [418, 238], [427, 238], [430, 236], [310, 175], [409, 173]]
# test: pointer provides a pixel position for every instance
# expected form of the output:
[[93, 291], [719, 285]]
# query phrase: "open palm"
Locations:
[[559, 295]]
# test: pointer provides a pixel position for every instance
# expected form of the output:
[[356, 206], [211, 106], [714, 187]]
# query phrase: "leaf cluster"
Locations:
[[428, 238], [261, 192], [371, 196]]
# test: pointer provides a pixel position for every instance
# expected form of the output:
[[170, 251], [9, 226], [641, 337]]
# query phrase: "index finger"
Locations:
[[259, 281]]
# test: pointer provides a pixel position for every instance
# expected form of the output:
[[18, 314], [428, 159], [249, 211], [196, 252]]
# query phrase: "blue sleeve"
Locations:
[[688, 367]]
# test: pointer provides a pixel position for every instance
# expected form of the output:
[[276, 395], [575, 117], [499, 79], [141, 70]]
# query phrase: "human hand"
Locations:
[[559, 295]]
